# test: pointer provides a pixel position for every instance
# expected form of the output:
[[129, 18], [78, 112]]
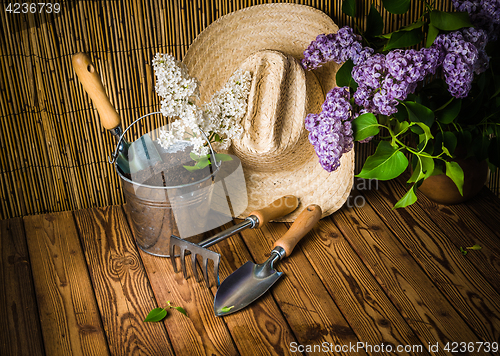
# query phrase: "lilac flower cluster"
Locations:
[[330, 131], [385, 79], [337, 47], [484, 14], [460, 57]]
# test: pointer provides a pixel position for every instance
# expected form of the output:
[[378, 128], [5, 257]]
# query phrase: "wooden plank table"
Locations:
[[368, 280]]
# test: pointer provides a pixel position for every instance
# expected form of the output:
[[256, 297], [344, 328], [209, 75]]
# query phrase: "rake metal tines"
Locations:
[[194, 250]]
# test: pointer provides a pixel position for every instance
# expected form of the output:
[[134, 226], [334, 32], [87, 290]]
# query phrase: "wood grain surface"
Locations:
[[121, 286], [69, 317], [75, 283], [458, 279], [20, 325]]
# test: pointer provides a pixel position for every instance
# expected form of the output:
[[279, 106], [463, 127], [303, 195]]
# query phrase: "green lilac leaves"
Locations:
[[432, 33], [396, 6], [419, 113], [402, 39], [449, 113], [456, 174], [158, 314], [386, 163], [364, 126], [155, 315], [408, 199], [374, 23], [349, 7], [471, 248], [449, 21], [203, 161], [344, 76]]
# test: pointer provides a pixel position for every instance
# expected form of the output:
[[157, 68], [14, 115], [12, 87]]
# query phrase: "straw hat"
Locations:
[[277, 158]]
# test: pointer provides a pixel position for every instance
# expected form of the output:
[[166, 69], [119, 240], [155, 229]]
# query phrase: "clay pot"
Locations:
[[443, 190]]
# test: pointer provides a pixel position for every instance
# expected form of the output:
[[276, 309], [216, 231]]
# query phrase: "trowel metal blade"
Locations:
[[244, 286], [142, 154]]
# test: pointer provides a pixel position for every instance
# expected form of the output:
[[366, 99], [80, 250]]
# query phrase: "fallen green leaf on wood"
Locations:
[[158, 314], [226, 309]]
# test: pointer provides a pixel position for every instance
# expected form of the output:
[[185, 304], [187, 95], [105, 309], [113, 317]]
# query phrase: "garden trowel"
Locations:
[[131, 157], [251, 280], [256, 219]]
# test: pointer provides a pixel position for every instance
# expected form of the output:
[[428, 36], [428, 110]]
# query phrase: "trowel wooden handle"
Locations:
[[301, 226], [92, 84], [276, 209]]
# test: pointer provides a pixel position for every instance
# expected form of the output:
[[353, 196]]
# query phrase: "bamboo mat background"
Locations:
[[53, 150]]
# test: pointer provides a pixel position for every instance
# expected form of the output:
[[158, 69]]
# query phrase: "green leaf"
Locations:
[[195, 157], [344, 76], [401, 127], [427, 166], [402, 39], [426, 131], [449, 21], [374, 24], [432, 33], [474, 248], [408, 199], [396, 6], [157, 314], [419, 113], [456, 174], [450, 112], [349, 7], [191, 168], [450, 141], [386, 163], [180, 309], [226, 309], [464, 252], [364, 126], [223, 157], [445, 150], [418, 172]]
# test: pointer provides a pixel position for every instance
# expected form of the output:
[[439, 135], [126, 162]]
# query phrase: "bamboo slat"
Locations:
[[53, 149]]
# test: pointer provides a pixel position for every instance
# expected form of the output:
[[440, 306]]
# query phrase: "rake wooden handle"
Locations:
[[301, 226], [278, 208], [86, 72]]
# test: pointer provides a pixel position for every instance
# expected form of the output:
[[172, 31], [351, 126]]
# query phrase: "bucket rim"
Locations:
[[120, 174]]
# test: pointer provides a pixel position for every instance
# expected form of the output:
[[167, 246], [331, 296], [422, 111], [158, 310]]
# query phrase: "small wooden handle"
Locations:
[[301, 226], [278, 208], [92, 84]]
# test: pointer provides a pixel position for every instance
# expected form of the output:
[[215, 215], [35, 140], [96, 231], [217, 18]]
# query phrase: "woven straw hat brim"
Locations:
[[222, 48]]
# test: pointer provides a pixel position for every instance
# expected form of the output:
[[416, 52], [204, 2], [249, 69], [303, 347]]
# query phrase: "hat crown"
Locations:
[[281, 95]]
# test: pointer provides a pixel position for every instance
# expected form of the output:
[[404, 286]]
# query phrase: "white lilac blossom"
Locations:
[[179, 93], [228, 106], [330, 132]]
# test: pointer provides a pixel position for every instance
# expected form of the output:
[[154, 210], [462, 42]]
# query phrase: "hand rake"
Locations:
[[256, 219]]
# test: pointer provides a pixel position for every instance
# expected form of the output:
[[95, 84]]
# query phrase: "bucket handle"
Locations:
[[121, 140]]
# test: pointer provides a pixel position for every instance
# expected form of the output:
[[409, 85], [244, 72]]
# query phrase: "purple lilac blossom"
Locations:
[[459, 62], [385, 79], [337, 47], [330, 132], [484, 14]]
